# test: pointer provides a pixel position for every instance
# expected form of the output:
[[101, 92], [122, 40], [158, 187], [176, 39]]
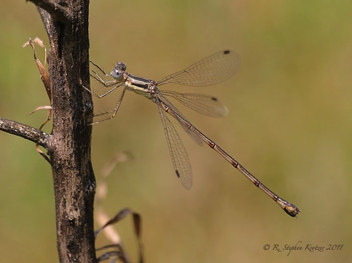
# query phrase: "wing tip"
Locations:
[[186, 184]]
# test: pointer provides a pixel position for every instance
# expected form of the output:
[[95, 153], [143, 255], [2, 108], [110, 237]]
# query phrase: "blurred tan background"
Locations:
[[289, 123]]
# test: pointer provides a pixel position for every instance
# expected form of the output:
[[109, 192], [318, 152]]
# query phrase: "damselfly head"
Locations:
[[117, 72]]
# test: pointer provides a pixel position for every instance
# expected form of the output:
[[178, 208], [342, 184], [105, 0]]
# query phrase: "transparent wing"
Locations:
[[204, 104], [211, 70], [193, 135], [179, 156]]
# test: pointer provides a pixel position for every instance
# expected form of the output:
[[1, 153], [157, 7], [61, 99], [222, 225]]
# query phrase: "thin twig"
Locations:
[[25, 131], [44, 76], [57, 11]]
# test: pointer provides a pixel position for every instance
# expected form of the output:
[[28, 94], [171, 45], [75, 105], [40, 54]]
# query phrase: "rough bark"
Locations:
[[69, 144]]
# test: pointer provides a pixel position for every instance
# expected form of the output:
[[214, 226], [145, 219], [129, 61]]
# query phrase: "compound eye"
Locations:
[[121, 66], [116, 74]]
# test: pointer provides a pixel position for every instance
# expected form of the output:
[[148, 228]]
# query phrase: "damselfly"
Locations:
[[211, 70]]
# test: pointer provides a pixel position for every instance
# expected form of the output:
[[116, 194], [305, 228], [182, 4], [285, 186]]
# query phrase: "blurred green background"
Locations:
[[289, 123]]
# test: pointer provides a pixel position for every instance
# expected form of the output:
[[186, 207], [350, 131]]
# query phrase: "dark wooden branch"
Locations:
[[57, 11], [70, 141], [25, 131]]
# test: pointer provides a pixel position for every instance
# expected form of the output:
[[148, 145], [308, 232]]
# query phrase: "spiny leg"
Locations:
[[106, 83], [97, 77], [114, 111], [104, 94], [102, 71]]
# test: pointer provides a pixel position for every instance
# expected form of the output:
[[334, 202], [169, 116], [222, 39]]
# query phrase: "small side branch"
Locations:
[[25, 131], [57, 11]]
